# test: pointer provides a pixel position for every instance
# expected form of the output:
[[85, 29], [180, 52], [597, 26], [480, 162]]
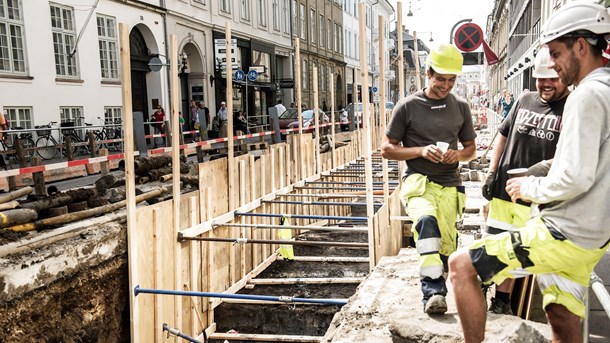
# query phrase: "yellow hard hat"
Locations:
[[446, 59]]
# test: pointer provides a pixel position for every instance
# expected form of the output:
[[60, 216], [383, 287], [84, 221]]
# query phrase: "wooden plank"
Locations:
[[264, 338], [158, 273], [316, 108], [331, 259], [229, 101]]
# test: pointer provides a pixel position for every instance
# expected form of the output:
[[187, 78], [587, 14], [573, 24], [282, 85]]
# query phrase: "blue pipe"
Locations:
[[284, 299], [297, 216]]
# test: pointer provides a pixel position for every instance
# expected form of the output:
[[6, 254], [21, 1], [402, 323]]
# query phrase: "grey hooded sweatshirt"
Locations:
[[576, 192]]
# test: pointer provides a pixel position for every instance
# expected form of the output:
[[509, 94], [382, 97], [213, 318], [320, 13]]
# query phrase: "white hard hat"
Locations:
[[576, 16], [541, 63]]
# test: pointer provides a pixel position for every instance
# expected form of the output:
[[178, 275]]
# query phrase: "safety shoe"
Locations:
[[500, 307], [436, 305]]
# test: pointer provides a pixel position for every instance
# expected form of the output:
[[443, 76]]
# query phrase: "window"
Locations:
[[12, 55], [305, 75], [312, 25], [19, 116], [276, 15], [322, 30], [244, 9], [107, 41], [303, 28], [329, 30], [285, 16], [322, 77], [112, 114], [64, 38], [337, 38], [294, 18], [225, 6], [73, 114], [262, 12]]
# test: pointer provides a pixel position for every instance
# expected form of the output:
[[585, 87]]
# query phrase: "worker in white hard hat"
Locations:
[[424, 131], [526, 139], [562, 243]]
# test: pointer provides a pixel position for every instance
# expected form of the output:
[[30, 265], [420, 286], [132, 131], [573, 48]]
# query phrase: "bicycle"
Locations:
[[46, 144], [68, 131], [10, 144], [110, 133]]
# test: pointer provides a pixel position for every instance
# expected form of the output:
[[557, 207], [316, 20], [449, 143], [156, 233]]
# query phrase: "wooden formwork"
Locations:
[[221, 266]]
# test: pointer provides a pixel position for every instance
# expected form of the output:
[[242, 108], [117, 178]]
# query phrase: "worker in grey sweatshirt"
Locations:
[[564, 242]]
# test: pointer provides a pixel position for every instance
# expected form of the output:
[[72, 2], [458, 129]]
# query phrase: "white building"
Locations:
[[59, 61], [373, 10]]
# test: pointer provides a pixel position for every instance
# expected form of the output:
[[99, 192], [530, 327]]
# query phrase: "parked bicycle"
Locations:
[[47, 144], [110, 132], [9, 143]]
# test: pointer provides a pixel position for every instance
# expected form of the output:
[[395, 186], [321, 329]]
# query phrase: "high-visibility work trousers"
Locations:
[[434, 210]]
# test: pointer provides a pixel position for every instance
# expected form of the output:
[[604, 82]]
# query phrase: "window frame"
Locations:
[[262, 12], [312, 25], [64, 67], [244, 10], [14, 65], [14, 116], [112, 61]]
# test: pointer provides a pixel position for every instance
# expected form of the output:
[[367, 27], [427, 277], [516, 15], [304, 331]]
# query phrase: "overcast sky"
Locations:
[[439, 16]]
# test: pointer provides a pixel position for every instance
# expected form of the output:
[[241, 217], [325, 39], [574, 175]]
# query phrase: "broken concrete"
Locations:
[[387, 308]]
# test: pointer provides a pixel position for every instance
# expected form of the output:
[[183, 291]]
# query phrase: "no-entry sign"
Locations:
[[468, 37]]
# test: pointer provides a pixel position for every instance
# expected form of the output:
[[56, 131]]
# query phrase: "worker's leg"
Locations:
[[565, 325], [468, 296]]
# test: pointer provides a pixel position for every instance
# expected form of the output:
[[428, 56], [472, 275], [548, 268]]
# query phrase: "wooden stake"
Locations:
[[130, 187], [229, 101], [366, 142], [401, 65], [382, 111], [331, 84], [297, 78], [316, 118], [175, 108]]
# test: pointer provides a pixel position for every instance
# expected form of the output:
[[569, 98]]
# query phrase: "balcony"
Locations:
[[520, 43]]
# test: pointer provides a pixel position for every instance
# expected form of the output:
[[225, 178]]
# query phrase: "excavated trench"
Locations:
[[298, 319]]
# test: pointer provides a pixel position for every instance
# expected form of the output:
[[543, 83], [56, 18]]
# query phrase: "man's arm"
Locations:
[[392, 150], [496, 152]]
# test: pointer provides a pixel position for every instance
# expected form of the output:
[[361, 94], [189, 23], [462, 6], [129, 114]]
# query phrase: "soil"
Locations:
[[90, 306]]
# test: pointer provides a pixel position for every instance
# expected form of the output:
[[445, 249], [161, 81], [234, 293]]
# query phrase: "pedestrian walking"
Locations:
[[429, 124], [564, 242], [526, 139], [223, 117]]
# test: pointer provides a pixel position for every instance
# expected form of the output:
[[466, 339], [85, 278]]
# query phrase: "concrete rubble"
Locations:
[[387, 308]]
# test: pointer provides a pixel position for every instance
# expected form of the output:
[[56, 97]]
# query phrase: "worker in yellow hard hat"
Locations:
[[424, 131]]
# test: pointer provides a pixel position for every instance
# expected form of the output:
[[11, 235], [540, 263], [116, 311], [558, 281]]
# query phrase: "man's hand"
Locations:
[[513, 187], [450, 157], [432, 153], [486, 188]]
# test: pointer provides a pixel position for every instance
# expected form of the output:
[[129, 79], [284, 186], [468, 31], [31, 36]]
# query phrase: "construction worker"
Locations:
[[566, 240], [528, 136], [432, 185]]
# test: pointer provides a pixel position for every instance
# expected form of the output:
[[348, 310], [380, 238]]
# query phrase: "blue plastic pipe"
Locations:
[[284, 299]]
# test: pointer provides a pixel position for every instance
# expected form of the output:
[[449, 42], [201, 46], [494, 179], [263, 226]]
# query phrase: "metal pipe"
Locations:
[[327, 195], [297, 216], [333, 203], [279, 241], [340, 188], [600, 291], [176, 332], [298, 227], [343, 183], [284, 299]]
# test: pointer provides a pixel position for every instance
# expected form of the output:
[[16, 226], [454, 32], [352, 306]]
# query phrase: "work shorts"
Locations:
[[505, 215], [562, 268]]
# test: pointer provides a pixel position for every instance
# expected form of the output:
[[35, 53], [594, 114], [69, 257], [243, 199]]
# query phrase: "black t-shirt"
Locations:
[[419, 121], [532, 130]]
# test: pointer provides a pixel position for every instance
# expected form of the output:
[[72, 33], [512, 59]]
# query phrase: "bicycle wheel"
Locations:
[[99, 140], [46, 148], [28, 144]]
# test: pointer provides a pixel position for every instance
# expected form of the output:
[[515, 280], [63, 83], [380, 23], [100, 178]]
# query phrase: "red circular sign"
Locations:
[[468, 37]]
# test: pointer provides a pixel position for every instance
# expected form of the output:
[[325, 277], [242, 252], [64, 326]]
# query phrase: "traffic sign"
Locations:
[[375, 89], [239, 75], [252, 75], [468, 37]]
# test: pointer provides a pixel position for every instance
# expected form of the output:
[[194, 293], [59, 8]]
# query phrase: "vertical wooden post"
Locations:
[[92, 146], [417, 73], [130, 189], [39, 185], [383, 114], [105, 165], [297, 79], [366, 141], [20, 152], [316, 119], [175, 144], [401, 64], [229, 101], [331, 83]]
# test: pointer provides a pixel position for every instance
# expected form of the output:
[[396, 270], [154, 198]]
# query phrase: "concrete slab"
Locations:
[[387, 308]]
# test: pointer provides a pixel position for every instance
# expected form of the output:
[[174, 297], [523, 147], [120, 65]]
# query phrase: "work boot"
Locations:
[[498, 306], [436, 305]]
